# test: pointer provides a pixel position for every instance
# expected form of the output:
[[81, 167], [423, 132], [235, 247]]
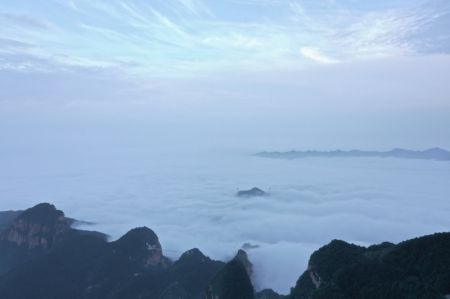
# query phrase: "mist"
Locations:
[[188, 198]]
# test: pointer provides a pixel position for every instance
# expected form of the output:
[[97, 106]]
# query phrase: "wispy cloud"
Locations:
[[196, 7], [24, 21], [187, 36], [316, 55]]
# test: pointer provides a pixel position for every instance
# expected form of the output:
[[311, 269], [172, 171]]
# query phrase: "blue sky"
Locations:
[[182, 37], [332, 73]]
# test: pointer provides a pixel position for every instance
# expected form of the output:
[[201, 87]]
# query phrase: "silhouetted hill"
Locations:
[[43, 257], [38, 227], [251, 193], [141, 246], [418, 268], [429, 154], [85, 266], [30, 233], [79, 264], [232, 282], [242, 257], [194, 270]]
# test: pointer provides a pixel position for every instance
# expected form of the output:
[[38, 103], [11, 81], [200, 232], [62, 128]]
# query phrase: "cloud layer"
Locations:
[[187, 197]]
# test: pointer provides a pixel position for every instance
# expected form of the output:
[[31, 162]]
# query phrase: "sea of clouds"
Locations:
[[188, 199]]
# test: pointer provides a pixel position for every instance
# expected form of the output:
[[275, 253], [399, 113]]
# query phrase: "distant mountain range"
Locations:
[[42, 256], [429, 154]]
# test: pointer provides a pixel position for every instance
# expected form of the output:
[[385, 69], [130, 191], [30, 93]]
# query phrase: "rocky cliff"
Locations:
[[40, 251], [232, 282], [242, 257], [37, 228], [141, 246]]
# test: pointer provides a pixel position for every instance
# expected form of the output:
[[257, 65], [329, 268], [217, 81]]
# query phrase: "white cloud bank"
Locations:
[[186, 195]]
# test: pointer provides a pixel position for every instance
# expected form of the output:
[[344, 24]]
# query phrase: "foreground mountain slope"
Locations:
[[60, 274], [42, 256], [85, 266], [31, 233], [53, 260], [417, 268]]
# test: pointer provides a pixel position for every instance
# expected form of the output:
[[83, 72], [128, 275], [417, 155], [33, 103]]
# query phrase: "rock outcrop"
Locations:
[[37, 228], [141, 246], [232, 282], [193, 271], [39, 250], [70, 263], [254, 192], [242, 257]]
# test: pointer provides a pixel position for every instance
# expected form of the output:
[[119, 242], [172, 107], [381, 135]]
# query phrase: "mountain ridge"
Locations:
[[435, 153], [82, 265]]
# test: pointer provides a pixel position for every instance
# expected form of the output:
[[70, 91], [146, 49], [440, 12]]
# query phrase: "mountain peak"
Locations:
[[141, 244], [42, 213], [255, 191], [230, 283], [194, 254], [242, 257], [139, 236], [38, 227]]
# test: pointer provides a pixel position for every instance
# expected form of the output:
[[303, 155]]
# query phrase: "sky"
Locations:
[[187, 37], [330, 73], [367, 74]]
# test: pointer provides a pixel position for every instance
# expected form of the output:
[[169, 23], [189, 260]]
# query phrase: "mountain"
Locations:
[[54, 260], [42, 256], [31, 233], [417, 268], [242, 257], [37, 228], [429, 154], [232, 282], [6, 218], [141, 246], [251, 193], [192, 272], [86, 266]]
